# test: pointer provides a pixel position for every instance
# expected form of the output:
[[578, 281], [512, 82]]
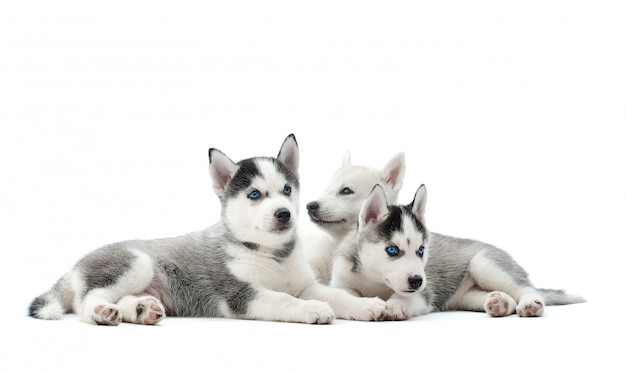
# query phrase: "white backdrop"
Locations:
[[513, 115]]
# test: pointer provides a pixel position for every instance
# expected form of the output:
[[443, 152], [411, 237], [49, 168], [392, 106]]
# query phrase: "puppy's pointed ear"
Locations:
[[374, 208], [347, 160], [222, 170], [289, 154], [393, 172], [418, 206]]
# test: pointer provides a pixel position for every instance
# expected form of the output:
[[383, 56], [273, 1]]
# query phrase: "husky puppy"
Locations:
[[249, 265], [393, 256], [336, 212]]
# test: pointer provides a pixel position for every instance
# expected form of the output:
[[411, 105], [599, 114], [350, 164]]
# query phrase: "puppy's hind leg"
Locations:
[[97, 308], [495, 271], [472, 298], [105, 277], [144, 309]]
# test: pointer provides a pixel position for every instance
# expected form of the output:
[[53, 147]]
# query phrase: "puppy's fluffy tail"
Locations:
[[54, 303], [560, 297]]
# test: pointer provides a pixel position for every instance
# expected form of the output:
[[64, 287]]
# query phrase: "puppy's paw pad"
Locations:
[[106, 315], [150, 311], [499, 304], [531, 307]]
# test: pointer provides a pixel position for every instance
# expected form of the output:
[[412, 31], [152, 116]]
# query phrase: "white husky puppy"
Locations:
[[337, 210], [249, 265], [392, 255]]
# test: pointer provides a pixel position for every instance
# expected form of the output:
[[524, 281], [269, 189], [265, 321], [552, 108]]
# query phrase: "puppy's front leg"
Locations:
[[345, 305], [406, 307], [279, 306]]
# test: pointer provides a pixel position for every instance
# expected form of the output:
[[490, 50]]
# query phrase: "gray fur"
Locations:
[[461, 274], [191, 277], [190, 273], [248, 265], [448, 265], [102, 267]]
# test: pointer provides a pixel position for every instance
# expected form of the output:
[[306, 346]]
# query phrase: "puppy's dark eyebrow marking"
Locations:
[[242, 179], [392, 223]]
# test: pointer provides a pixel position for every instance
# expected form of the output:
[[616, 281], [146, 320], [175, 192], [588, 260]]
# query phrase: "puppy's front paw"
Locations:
[[397, 310], [318, 312], [368, 309], [499, 304]]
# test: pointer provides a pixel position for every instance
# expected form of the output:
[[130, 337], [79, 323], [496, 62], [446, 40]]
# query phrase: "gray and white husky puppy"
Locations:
[[249, 265], [392, 255]]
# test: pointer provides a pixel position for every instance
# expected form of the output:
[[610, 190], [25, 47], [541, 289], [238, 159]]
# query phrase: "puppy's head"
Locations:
[[259, 195], [394, 241], [337, 210]]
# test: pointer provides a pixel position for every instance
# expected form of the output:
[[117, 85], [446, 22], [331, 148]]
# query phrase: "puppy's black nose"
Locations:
[[312, 206], [415, 281], [282, 215]]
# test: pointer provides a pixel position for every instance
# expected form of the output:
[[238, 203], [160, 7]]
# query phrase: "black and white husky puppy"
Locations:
[[249, 265], [392, 255]]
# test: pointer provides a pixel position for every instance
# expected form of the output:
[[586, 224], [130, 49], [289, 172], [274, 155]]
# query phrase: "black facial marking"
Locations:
[[242, 179], [248, 170], [392, 224]]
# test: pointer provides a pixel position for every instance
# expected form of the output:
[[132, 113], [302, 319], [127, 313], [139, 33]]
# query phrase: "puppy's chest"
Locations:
[[264, 270], [371, 288]]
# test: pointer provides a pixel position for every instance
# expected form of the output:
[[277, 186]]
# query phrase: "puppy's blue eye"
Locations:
[[420, 251], [392, 250], [287, 190], [346, 191], [254, 195]]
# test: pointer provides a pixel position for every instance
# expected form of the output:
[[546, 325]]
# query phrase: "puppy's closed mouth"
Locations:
[[317, 219], [281, 229]]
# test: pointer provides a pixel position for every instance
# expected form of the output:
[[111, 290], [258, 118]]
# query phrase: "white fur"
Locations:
[[53, 311], [338, 211]]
